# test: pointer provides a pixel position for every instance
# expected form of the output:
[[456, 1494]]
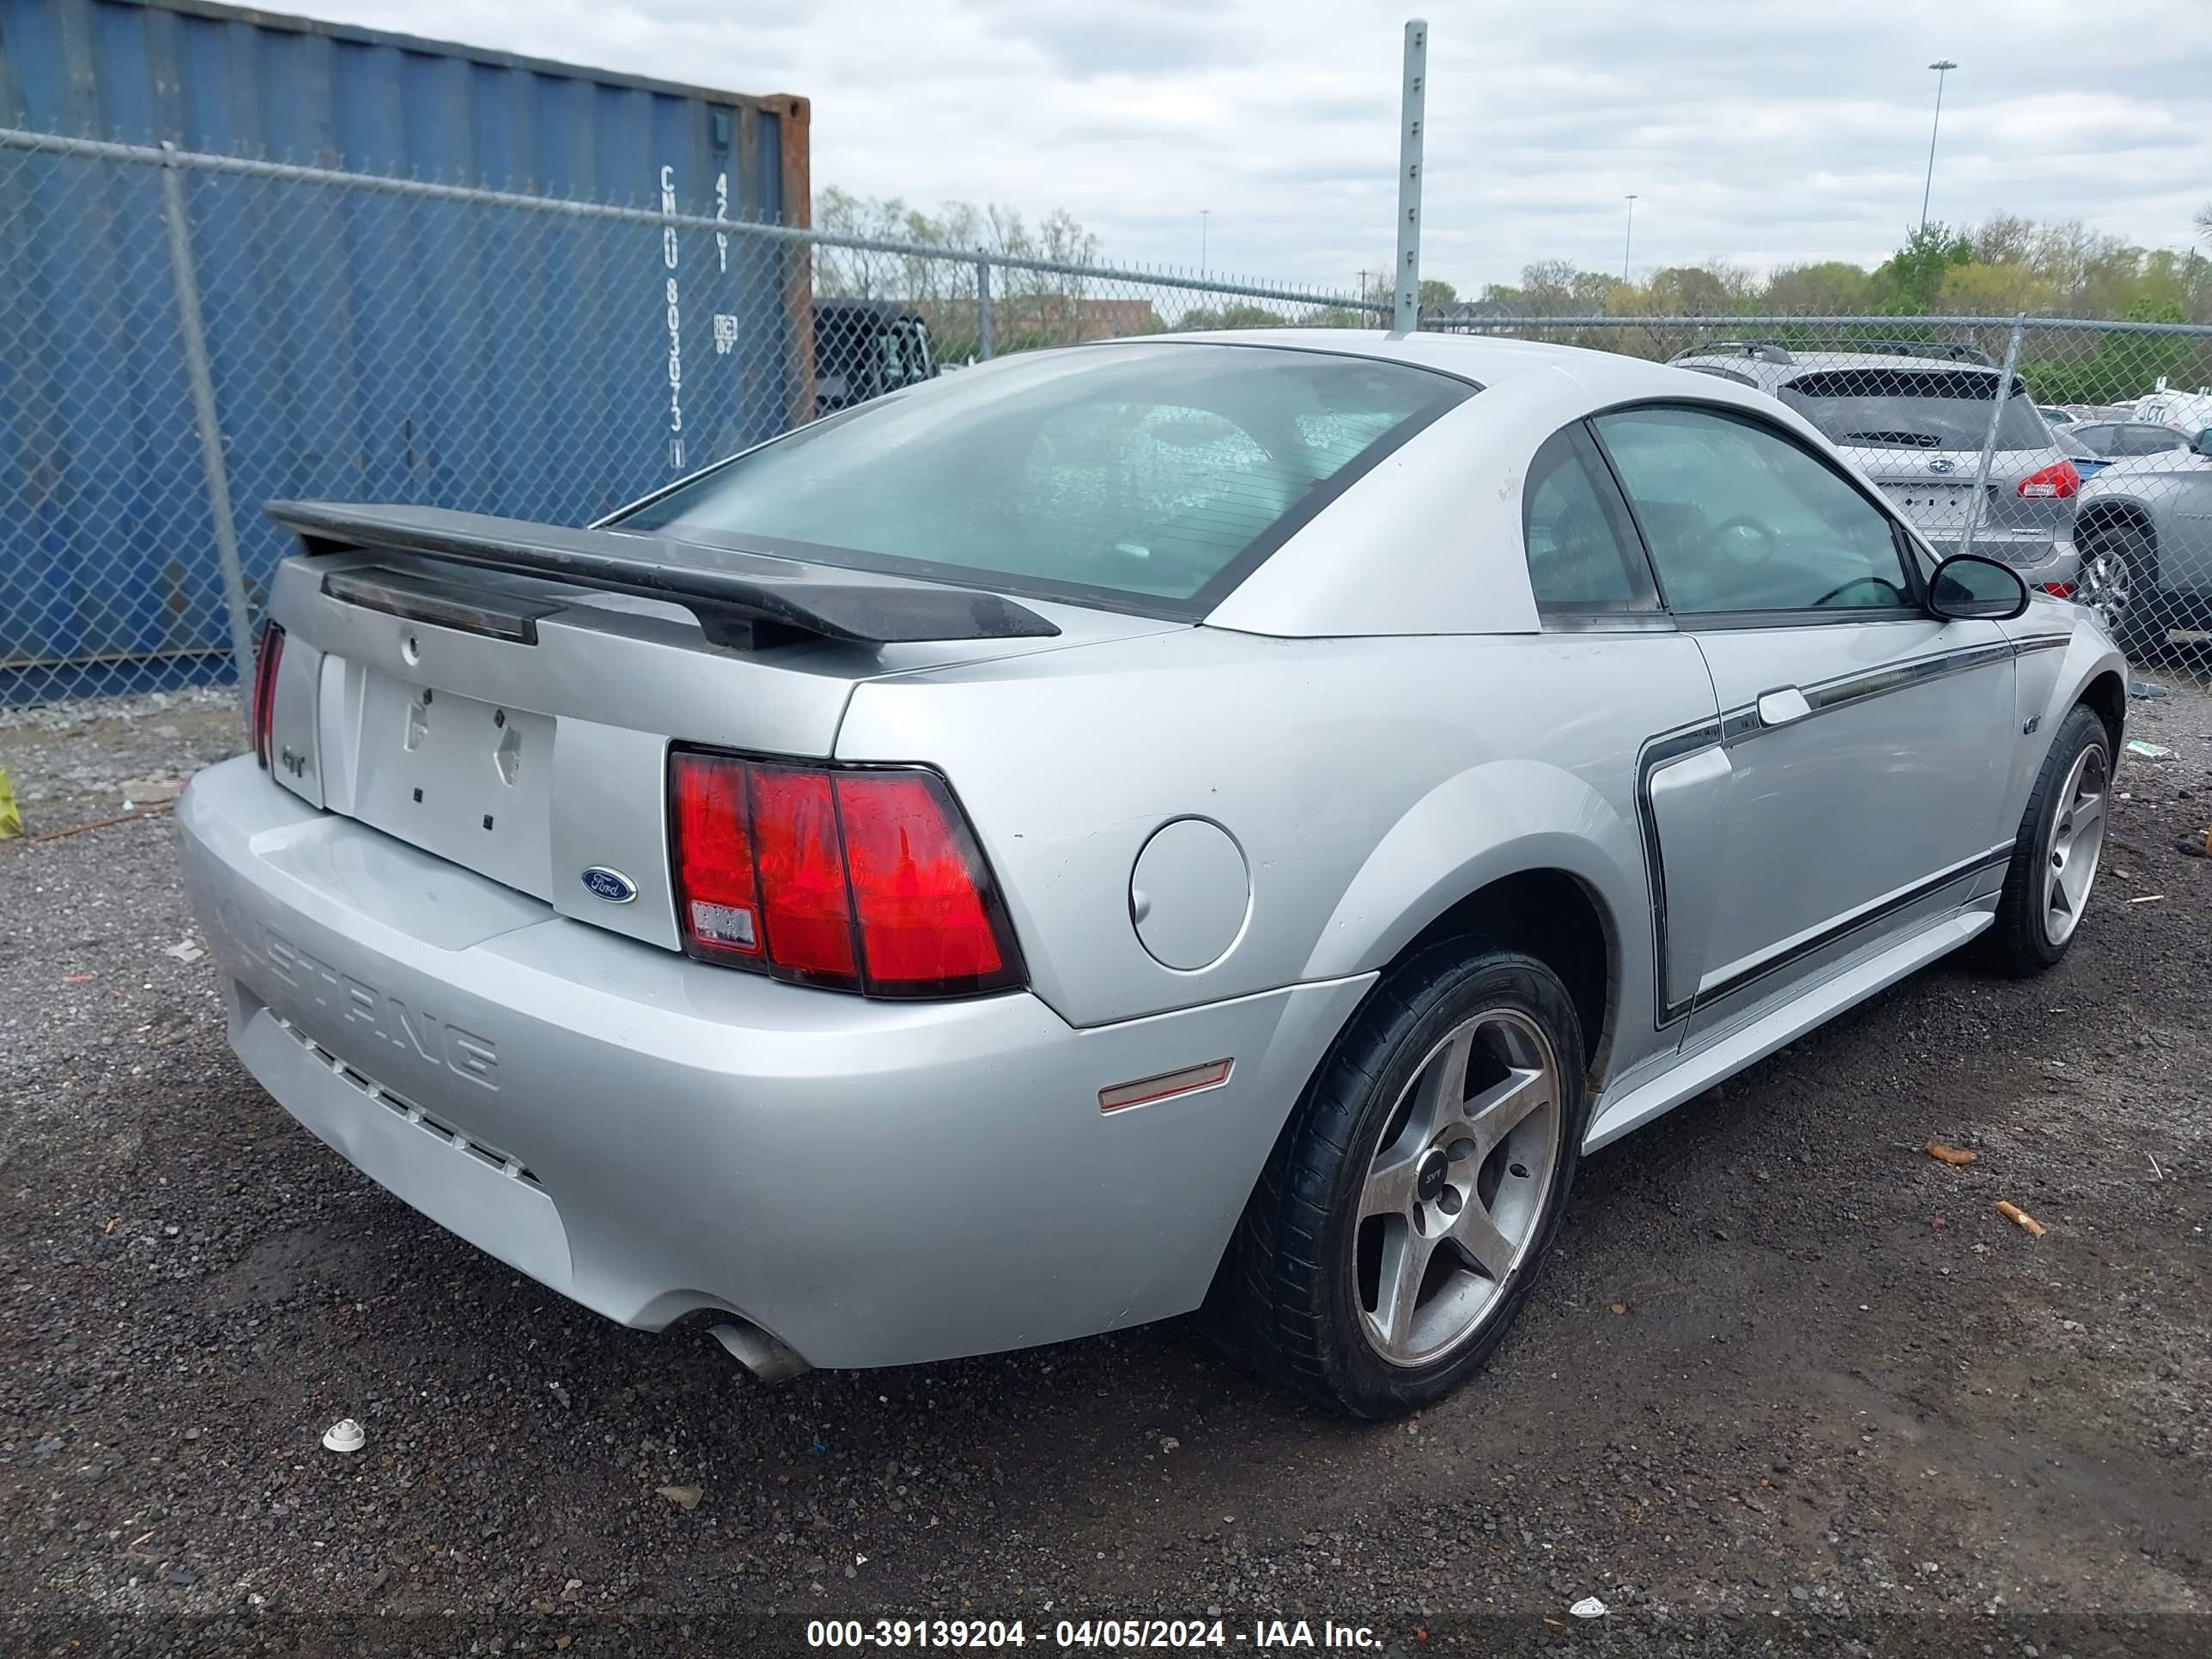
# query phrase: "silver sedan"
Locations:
[[1216, 823]]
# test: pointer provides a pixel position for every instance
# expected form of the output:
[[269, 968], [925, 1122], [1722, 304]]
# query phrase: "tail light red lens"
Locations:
[[720, 895], [867, 880], [268, 656], [923, 916], [2059, 590], [2060, 481], [804, 902]]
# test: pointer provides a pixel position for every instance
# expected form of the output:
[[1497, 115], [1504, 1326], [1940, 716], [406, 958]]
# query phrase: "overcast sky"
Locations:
[[1764, 131]]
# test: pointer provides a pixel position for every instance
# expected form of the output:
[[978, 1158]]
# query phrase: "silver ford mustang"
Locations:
[[1215, 822]]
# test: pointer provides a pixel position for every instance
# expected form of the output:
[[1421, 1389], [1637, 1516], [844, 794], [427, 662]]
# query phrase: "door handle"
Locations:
[[1782, 706]]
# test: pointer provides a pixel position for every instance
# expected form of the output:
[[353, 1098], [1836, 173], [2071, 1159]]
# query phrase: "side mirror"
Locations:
[[1967, 587]]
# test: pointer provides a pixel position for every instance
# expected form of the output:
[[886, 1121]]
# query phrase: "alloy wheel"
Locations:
[[2105, 586], [1454, 1197], [2075, 839]]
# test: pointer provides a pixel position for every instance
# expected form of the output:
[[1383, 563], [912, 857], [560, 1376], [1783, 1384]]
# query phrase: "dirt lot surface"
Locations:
[[74, 764], [1789, 1384]]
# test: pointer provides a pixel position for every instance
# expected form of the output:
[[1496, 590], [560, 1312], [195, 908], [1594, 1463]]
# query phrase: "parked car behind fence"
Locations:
[[2145, 534], [1915, 420]]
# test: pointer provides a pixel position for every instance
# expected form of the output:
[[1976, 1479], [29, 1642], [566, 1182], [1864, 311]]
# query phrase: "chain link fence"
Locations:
[[976, 305], [2075, 450], [184, 337]]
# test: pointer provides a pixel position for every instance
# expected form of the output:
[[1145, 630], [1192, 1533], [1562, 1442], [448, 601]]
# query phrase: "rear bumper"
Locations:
[[873, 1184], [2036, 554]]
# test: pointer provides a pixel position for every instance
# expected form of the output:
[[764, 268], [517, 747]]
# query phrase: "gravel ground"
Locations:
[[1789, 1385], [74, 764]]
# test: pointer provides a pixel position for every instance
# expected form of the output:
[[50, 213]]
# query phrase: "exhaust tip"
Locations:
[[760, 1354]]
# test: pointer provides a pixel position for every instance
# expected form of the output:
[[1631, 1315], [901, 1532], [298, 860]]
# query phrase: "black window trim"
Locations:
[[1807, 617], [1649, 613]]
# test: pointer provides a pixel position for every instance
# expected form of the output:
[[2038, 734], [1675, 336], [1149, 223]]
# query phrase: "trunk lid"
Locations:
[[518, 725]]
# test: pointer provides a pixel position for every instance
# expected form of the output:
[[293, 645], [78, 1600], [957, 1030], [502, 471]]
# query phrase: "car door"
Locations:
[[1592, 587], [1863, 747], [2186, 543]]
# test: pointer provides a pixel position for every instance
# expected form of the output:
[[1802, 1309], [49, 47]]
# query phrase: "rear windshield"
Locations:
[[1139, 473], [1915, 408]]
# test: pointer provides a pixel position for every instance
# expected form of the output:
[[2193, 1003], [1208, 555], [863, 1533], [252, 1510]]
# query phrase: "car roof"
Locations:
[[1486, 359], [1482, 359]]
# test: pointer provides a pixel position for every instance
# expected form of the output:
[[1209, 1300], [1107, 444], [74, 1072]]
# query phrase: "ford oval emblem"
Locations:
[[611, 886], [1942, 464]]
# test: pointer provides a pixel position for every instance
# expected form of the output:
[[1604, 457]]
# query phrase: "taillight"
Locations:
[[805, 903], [267, 655], [2059, 590], [859, 879], [714, 833], [922, 913], [2059, 481]]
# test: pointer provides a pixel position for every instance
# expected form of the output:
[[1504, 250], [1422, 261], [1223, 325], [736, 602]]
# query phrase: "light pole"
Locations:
[[1204, 214], [1628, 241], [1943, 66]]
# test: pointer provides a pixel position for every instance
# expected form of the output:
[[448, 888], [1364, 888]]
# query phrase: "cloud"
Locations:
[[1757, 132], [1085, 39]]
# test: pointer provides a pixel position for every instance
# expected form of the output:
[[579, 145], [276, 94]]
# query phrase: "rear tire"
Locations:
[[2054, 862], [1443, 1129], [2120, 581]]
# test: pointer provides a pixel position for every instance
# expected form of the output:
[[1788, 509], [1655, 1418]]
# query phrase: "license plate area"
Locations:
[[1932, 504], [469, 782]]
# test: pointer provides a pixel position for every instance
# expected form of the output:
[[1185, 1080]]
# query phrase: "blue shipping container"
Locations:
[[362, 344]]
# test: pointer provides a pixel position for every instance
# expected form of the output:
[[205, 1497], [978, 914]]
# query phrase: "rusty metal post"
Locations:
[[795, 147]]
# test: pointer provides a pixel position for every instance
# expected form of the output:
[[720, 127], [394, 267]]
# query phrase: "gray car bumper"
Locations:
[[2039, 560], [874, 1183]]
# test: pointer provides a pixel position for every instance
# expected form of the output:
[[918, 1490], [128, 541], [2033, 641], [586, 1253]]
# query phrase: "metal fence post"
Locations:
[[984, 346], [1405, 313], [1990, 438], [198, 376]]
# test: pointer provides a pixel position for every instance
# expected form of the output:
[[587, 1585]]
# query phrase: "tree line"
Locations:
[[2003, 267]]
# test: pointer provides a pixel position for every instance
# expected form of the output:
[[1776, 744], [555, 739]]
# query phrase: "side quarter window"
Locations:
[[1740, 519], [1583, 555]]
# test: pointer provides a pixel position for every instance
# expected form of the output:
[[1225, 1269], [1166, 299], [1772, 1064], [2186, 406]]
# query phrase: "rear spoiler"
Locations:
[[742, 600]]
